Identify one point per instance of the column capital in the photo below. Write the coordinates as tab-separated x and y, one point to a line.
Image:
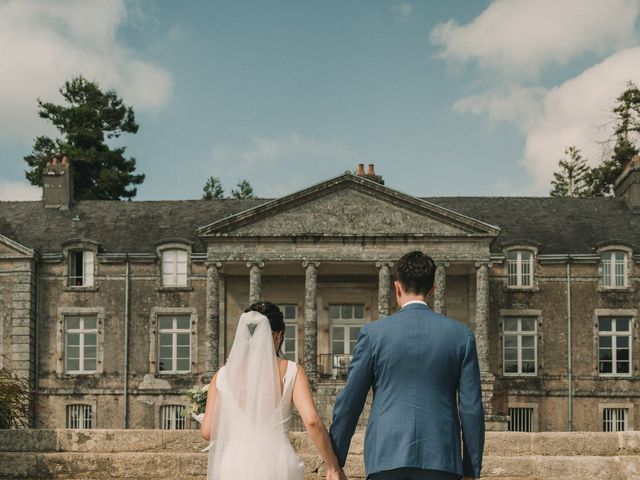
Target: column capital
442	264
384	264
213	263
308	263
483	263
255	263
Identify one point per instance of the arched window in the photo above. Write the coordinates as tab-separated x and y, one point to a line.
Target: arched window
614	269
520	268
174	268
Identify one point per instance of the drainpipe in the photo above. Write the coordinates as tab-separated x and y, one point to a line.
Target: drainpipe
126	341
569	346
36	352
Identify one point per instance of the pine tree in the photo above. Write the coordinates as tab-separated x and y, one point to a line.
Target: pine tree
89	118
212	189
244	190
573	177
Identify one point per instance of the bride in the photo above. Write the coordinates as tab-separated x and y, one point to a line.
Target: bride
248	410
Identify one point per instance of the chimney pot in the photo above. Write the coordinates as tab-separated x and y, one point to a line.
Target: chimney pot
370	170
360	171
54	161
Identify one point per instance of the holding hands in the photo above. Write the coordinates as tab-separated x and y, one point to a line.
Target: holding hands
336	475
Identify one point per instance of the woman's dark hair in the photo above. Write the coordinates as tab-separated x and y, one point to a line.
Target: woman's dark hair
416	272
276	319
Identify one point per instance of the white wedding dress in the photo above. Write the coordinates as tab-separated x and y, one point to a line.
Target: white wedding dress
253	414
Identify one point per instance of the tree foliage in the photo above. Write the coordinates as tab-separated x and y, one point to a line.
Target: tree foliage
626	113
212	189
14	400
87	120
243	190
572	179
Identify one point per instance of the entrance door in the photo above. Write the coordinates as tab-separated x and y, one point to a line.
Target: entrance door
346	322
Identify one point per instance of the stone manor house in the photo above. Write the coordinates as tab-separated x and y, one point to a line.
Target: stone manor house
112	310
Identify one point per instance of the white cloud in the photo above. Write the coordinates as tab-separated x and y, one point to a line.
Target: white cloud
277	166
46	43
403	9
513	103
18	191
519	37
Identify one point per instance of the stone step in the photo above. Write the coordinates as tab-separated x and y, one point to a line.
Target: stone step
193	466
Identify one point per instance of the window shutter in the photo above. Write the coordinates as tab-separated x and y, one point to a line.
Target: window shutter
88	265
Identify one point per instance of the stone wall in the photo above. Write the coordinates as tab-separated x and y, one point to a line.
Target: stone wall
158	454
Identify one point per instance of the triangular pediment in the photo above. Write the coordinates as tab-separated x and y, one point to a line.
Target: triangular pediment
10	249
348	205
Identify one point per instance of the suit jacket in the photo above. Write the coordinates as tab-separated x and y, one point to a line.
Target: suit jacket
423	368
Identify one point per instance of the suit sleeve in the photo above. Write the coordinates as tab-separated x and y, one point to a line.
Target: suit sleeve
350	401
471	411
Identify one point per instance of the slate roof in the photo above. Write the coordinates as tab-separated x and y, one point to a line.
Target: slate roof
558	225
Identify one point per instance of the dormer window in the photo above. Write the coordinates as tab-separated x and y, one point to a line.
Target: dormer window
520	269
614	269
81	268
174	268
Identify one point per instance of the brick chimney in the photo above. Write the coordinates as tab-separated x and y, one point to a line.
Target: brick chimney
57	184
627	185
371	174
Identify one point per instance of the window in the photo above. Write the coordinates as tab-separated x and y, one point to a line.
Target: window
614	269
172	417
174	345
346	320
614	346
520	268
174	268
79	416
81	265
614	419
520	420
80	343
290	343
519	346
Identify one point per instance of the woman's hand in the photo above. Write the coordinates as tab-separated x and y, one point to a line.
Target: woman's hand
336	475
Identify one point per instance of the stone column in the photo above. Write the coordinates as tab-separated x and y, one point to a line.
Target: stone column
482	335
311	321
255	281
384	289
439	304
482	315
213	317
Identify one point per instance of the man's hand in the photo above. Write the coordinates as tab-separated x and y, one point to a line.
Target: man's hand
336	475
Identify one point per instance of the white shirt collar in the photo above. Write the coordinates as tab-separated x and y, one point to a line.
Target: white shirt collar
414	301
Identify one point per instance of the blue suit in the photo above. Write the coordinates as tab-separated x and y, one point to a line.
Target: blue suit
417	362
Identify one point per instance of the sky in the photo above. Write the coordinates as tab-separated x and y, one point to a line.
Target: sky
464	98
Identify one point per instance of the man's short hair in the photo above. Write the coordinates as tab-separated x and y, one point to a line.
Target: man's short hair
416	272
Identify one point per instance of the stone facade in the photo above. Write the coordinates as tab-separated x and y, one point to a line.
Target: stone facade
325	254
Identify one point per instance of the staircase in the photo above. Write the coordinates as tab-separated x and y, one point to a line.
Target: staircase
176	455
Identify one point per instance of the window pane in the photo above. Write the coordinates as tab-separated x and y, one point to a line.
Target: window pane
511	367
181	279
510	354
166	339
183	352
358	311
605	353
510	341
90	352
90	339
353	333
528	354
184	322
510	324
622	354
334	312
346	311
73	323
166	353
290	312
183	365
528	341
73	339
528	367
90	364
337	348
338	333
604	324
528	324
622	342
622	367
73	352
605	342
622	324
90	323
605	367
73	364
165	323
183	339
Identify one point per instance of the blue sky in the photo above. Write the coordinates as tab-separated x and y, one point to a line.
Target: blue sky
445	98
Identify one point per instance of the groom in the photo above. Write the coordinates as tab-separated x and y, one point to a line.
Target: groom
424	372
